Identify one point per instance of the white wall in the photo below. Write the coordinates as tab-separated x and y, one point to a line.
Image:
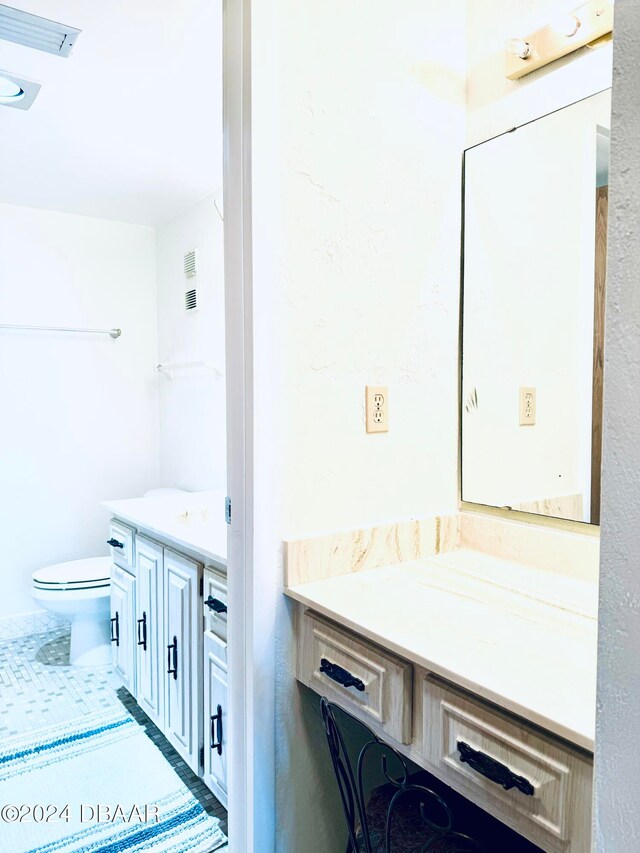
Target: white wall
618	720
360	189
373	123
192	403
80	412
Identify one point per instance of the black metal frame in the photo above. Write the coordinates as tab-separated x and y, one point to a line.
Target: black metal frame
352	790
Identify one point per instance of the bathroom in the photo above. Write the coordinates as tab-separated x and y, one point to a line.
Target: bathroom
357	183
345	131
113	351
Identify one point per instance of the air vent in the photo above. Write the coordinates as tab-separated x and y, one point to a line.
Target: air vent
191	299
190	264
40	33
191	271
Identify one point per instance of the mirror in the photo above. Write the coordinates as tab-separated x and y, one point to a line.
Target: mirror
534	268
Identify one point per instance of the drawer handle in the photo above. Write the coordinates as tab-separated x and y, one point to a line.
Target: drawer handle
217	735
115	638
173	670
342	676
216	604
114	543
143	642
493	770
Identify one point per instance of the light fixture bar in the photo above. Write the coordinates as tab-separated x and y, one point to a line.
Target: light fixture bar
593	20
36	32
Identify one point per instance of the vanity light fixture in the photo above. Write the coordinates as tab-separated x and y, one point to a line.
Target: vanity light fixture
17	92
591	22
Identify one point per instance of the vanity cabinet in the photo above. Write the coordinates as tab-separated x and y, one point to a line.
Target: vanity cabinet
123	649
156	631
368	682
534	782
183	633
215	683
149	629
215	715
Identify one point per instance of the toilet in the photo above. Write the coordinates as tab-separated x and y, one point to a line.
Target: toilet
79	590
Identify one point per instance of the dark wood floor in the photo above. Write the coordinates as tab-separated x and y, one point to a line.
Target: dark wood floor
197	787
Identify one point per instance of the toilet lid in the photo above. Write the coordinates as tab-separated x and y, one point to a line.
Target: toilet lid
94	571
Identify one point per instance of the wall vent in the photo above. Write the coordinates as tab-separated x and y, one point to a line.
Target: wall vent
191	299
191	264
33	31
191	271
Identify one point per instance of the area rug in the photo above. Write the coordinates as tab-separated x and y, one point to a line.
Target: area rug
98	786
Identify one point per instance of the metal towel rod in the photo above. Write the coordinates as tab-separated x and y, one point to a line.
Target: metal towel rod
114	333
168	368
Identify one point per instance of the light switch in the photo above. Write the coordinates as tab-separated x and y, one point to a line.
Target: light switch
527	406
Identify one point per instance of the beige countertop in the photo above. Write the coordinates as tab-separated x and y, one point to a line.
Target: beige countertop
194	521
520	637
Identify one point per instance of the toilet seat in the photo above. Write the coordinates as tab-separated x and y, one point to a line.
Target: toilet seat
76	575
79	591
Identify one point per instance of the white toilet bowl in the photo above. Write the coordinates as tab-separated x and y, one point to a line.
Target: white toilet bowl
79	590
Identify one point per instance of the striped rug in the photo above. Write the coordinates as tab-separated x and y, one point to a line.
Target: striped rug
100	786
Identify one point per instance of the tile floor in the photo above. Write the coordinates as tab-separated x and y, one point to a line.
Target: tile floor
38	688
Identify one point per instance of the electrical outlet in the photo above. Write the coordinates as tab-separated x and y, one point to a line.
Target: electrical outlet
527	406
377	406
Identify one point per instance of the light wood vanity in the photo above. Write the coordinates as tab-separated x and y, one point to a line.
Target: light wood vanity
452	653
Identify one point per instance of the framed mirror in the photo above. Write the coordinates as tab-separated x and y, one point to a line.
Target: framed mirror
533	301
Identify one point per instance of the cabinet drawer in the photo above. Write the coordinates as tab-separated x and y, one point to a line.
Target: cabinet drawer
381	692
215	592
538	785
121	542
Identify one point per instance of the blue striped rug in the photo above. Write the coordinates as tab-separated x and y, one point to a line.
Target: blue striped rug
100	786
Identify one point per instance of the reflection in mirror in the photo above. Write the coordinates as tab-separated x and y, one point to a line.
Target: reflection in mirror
535	233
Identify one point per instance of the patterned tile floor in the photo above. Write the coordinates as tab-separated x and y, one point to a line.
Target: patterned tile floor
38	688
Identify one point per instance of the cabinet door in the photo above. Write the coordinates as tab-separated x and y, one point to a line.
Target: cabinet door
150	647
123	586
215	715
183	652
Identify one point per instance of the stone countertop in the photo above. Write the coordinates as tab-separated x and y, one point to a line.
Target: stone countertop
522	638
194	521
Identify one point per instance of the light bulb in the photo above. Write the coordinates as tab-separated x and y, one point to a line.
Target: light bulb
519	48
565	24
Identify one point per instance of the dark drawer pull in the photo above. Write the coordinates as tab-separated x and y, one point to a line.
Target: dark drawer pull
342	676
114	543
173	670
216	721
115	638
216	604
143	642
493	770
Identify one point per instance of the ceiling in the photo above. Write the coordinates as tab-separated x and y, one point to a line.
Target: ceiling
129	127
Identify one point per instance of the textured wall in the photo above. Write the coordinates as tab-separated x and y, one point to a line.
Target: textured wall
371	103
373	121
618	722
192	403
